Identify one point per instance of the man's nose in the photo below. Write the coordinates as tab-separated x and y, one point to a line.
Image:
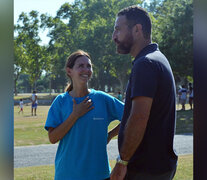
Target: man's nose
113	36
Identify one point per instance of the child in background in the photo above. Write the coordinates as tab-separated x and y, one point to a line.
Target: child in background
119	96
21	106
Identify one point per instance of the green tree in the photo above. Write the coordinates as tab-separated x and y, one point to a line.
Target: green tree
173	31
27	29
97	26
88	25
20	59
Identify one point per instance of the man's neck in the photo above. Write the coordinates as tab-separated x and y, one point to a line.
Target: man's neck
137	48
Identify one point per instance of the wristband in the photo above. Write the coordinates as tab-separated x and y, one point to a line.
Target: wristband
119	160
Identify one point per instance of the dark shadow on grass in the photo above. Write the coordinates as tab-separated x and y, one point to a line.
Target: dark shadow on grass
30	116
184	123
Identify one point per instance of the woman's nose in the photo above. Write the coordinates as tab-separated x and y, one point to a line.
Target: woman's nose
87	69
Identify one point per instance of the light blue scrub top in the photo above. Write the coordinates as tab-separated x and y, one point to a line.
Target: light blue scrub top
82	153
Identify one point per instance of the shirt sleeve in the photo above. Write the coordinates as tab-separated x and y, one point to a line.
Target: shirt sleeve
144	79
54	117
115	108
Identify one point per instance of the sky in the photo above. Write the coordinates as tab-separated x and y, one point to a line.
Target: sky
42	6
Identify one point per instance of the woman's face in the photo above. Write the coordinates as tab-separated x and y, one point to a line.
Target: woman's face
81	71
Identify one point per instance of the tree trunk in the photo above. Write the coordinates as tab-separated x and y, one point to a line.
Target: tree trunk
15	87
50	84
121	85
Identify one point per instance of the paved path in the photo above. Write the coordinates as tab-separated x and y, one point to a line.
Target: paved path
44	154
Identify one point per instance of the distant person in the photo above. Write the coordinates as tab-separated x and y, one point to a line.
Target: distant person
21	106
34	103
191	95
147	127
183	96
78	119
119	96
124	97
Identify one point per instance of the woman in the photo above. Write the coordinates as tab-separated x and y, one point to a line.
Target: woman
79	119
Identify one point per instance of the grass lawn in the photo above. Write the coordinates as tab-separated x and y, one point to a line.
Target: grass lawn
40	96
29	130
184	123
184	170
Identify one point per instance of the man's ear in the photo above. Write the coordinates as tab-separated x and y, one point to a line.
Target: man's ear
68	70
138	28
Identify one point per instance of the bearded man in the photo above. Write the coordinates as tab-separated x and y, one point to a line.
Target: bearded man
147	128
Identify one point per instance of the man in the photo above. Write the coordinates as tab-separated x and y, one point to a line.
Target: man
146	133
190	95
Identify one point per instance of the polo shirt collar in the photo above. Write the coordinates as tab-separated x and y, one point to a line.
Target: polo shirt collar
148	49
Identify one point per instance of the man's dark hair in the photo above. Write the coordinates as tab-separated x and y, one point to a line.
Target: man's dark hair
137	15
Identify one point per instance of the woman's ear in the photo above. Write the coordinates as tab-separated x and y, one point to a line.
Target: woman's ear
68	70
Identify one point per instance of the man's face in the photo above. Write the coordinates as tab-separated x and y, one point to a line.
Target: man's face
122	35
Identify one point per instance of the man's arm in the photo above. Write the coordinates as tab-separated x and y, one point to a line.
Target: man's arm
134	133
136	126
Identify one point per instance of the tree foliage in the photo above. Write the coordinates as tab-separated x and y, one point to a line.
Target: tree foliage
88	25
28	38
174	33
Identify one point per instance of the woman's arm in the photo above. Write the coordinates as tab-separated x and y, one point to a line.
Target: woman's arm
113	132
56	134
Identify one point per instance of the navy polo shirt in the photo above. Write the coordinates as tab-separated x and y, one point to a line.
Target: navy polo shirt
151	76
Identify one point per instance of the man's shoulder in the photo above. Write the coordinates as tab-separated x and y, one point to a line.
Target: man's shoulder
143	62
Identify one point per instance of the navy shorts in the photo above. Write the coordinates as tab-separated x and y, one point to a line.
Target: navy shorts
34	105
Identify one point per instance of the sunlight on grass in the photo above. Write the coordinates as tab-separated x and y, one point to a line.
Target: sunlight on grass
184	170
34	173
29	130
40	96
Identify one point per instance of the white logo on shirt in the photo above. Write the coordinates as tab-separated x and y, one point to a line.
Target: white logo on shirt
97	119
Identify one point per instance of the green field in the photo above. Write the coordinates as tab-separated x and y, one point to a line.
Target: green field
29	130
184	170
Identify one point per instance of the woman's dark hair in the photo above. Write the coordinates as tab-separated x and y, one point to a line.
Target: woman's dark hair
71	62
137	15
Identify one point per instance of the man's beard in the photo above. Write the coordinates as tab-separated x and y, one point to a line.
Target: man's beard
124	47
